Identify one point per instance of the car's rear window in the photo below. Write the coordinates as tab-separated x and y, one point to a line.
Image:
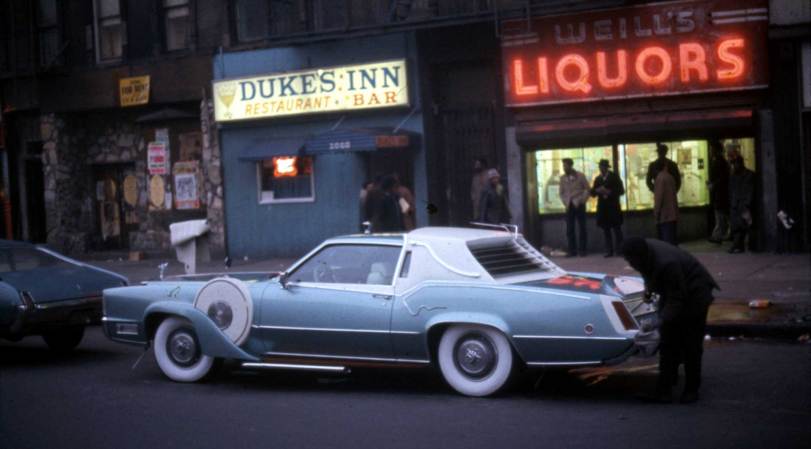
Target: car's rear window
508	257
23	259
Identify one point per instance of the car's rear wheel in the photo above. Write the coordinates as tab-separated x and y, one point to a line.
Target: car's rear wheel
178	351
475	360
64	340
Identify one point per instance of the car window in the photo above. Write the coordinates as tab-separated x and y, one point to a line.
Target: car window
22	259
349	264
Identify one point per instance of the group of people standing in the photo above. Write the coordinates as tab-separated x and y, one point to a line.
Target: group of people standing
387	205
732	187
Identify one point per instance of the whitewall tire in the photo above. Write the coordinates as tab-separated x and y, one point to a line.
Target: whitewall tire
475	360
178	351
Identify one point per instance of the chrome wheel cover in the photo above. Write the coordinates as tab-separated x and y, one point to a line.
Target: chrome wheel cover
475	356
182	347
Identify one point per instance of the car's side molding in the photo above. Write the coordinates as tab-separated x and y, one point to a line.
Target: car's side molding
212	341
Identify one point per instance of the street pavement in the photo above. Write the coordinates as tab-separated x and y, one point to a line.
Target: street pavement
783	279
755	394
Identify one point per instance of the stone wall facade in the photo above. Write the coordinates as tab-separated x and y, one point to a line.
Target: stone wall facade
76	146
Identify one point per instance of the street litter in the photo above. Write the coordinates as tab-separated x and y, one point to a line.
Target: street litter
759	303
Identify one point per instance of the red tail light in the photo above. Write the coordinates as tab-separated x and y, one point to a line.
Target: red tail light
625	317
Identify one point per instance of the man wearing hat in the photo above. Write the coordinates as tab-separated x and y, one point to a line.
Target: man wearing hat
608	189
655	167
493	206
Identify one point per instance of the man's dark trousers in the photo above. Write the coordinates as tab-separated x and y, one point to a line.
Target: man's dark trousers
576	213
682	340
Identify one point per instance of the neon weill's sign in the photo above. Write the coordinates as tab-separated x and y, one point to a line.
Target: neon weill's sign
648	50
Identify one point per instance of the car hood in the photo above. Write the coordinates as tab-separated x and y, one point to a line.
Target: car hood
49	284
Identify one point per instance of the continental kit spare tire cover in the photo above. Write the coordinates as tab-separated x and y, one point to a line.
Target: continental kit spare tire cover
227	302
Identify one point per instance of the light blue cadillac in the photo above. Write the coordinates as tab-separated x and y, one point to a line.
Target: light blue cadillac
477	303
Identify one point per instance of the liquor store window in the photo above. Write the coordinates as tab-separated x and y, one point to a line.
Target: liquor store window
286	179
631	161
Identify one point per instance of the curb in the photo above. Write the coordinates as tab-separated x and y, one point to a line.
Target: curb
781	331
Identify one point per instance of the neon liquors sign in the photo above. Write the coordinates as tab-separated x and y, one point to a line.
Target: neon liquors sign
649	50
366	86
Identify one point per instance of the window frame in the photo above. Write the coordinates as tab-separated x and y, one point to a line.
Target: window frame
97	19
190	25
236	23
44	29
317	250
261	196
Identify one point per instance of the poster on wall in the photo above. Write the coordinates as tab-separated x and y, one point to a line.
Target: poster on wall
157	158
186	185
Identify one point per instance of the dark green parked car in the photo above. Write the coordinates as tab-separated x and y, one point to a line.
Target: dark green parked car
45	293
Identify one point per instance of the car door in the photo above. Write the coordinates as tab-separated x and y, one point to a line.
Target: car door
336	304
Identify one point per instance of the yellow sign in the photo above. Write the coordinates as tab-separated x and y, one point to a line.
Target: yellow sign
366	86
134	91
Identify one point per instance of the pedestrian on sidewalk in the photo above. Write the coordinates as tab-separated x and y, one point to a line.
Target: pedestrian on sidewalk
408	207
387	216
685	290
493	205
665	204
574	192
718	185
653	168
741	189
478	184
608	189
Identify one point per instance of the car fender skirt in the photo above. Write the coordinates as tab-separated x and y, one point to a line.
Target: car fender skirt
213	342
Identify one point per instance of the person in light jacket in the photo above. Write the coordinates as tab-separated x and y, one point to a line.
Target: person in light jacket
574	192
665	204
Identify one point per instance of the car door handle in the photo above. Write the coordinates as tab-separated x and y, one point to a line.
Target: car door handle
380	296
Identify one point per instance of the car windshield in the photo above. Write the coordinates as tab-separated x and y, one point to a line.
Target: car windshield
24	259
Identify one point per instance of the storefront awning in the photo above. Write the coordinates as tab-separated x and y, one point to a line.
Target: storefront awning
267	149
655	125
359	139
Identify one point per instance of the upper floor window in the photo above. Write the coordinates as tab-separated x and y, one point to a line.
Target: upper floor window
251	19
176	23
110	33
48	27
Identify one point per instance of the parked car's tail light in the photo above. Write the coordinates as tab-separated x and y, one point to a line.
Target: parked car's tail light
625	317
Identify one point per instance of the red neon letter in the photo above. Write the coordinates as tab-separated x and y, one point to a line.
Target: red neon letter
656	52
543	76
730	58
518	74
692	57
622	71
582	81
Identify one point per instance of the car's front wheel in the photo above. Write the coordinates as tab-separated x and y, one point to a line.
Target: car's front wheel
64	340
475	360
178	351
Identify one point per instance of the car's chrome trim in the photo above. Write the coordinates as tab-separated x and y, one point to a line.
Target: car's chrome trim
69	303
293	366
592	362
343	357
439	260
567	337
504	287
327	329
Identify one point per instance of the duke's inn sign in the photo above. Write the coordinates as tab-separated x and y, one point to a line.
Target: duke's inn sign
669	48
365	86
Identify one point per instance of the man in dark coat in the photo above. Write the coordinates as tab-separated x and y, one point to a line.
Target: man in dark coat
741	191
493	205
608	189
685	290
719	191
386	214
654	168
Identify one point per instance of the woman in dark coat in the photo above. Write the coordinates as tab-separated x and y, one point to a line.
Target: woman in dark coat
608	189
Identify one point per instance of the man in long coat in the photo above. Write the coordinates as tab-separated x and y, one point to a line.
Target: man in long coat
666	204
685	290
741	190
608	189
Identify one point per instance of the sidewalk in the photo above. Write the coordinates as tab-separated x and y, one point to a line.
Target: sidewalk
785	280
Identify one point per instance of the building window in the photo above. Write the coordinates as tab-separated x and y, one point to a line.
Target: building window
109	30
549	169
286	179
176	24
48	28
251	19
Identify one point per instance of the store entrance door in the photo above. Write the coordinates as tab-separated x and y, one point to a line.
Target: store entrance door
111	213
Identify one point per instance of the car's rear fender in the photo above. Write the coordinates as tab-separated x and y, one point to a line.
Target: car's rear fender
212	341
437	325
